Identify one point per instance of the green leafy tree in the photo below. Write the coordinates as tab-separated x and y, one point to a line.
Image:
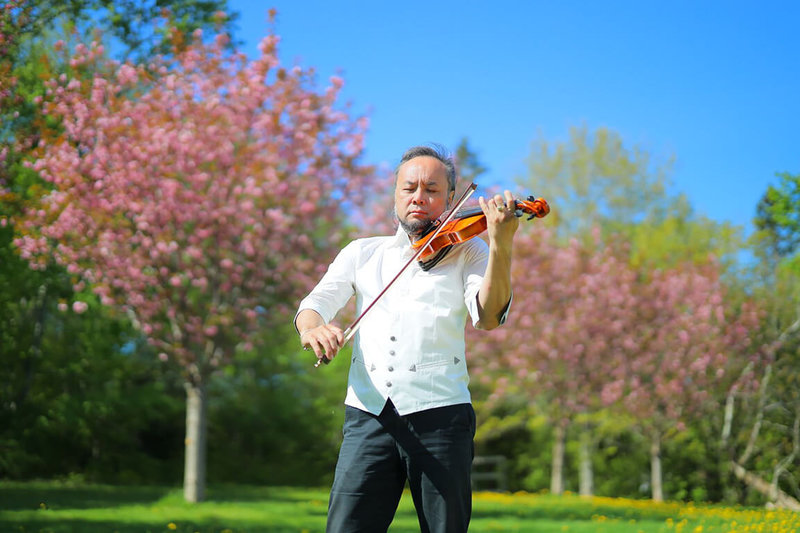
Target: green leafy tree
761	440
133	24
297	443
778	215
684	236
468	162
594	180
765	452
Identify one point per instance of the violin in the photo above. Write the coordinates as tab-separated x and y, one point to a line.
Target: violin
464	225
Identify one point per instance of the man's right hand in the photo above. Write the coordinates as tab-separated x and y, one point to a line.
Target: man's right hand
325	340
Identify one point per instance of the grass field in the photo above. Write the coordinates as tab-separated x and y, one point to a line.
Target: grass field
59	508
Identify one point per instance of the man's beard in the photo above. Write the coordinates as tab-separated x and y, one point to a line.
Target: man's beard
416	228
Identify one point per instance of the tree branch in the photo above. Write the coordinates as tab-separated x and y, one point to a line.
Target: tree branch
783	465
762	396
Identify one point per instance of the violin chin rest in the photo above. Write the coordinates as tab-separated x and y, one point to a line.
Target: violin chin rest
433	261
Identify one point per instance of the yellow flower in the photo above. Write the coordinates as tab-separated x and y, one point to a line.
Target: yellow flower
172	526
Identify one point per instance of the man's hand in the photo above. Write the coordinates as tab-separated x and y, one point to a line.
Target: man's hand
501	220
325	340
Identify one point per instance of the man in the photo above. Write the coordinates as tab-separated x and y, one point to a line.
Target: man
408	414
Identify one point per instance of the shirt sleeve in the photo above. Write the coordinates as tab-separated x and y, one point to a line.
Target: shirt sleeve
335	288
476	258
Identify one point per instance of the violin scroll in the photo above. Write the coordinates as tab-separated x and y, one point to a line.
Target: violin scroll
534	207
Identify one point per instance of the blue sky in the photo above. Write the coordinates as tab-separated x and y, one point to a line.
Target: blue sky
714	84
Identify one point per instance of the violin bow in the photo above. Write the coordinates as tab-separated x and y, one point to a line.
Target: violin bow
353	328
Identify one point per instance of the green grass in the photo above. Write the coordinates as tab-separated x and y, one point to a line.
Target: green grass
59	508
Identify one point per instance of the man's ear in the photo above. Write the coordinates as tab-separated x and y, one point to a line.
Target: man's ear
450	197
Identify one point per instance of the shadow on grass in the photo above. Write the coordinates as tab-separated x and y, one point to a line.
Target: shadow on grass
92	526
30	496
249	493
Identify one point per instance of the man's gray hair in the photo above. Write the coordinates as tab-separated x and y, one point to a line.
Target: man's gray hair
432	150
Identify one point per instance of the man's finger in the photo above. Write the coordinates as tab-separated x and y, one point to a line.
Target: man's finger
317	347
511	204
329	349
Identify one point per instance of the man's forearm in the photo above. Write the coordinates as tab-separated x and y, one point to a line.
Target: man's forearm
495	292
308	319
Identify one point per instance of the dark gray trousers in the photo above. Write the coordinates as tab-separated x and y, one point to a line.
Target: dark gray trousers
432	449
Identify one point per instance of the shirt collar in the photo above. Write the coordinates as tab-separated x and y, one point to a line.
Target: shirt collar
400	239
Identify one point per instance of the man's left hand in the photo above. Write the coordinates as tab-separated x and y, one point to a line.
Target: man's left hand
501	220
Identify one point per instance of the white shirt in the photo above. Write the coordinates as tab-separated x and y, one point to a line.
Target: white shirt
410	346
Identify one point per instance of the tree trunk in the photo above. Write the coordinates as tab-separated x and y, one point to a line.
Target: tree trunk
586	472
35	356
655	468
557	473
778	497
194	472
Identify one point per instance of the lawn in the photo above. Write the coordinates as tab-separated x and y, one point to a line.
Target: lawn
58	508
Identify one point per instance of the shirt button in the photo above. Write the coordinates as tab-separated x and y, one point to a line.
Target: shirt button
390	369
392	338
388	383
391	352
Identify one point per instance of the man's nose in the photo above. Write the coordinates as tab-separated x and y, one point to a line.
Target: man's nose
417	197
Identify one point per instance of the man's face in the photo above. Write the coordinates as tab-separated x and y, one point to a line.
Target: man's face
421	193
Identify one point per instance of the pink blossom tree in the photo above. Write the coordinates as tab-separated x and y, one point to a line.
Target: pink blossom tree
180	191
692	347
589	332
567	332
